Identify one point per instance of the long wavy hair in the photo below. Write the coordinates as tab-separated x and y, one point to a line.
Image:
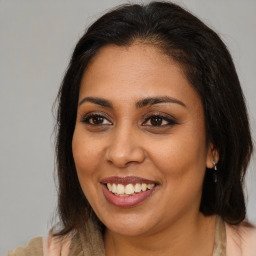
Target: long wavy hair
210	70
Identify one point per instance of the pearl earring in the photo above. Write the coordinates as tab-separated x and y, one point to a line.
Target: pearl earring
215	174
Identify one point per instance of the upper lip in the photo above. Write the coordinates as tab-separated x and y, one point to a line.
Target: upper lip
127	180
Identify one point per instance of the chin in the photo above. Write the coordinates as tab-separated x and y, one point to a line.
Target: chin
132	230
128	224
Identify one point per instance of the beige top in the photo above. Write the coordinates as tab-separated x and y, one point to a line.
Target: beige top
229	241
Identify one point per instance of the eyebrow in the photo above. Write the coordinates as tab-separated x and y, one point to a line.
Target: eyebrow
98	101
149	101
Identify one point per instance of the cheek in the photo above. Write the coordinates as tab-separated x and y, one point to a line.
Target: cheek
86	157
179	154
182	164
182	160
85	153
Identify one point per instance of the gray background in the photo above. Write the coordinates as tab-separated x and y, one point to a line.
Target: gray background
36	41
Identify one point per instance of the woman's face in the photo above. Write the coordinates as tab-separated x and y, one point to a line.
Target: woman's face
139	143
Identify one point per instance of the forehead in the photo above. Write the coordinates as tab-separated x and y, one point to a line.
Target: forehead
132	72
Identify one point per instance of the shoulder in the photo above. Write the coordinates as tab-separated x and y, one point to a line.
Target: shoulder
241	240
39	247
34	248
57	246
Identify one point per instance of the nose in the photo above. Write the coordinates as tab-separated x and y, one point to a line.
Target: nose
125	148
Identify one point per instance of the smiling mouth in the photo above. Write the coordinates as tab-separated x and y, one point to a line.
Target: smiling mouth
128	186
129	189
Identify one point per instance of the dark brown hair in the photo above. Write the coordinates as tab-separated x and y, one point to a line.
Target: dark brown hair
209	68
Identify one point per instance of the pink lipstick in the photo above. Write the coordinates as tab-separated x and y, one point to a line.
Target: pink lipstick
127	191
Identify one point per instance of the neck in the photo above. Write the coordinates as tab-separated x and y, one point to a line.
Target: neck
188	236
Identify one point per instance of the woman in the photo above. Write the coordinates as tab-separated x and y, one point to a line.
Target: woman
153	141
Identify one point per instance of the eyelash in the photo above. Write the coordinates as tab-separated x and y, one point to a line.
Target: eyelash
170	120
87	118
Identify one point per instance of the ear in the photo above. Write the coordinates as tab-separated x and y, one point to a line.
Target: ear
212	156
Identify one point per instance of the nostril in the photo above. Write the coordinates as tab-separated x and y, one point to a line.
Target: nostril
123	161
124	150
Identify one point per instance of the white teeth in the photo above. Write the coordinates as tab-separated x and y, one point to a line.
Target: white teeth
137	187
109	187
130	189
114	189
144	187
150	186
120	189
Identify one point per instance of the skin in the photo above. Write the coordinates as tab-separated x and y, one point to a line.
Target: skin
126	142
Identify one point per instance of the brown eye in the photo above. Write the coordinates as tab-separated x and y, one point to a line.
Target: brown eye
159	121
156	121
96	120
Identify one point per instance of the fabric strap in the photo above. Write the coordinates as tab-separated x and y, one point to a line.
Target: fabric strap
220	238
